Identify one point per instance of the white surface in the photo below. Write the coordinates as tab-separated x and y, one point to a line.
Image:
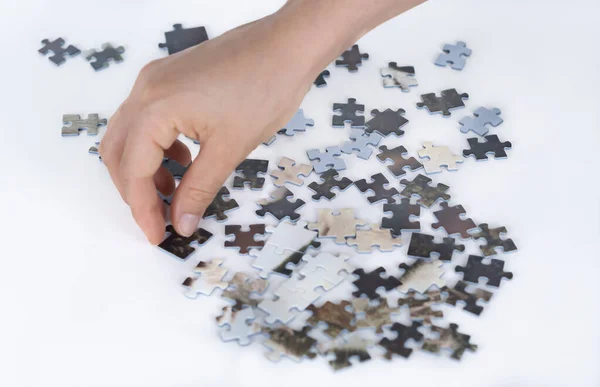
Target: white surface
86	301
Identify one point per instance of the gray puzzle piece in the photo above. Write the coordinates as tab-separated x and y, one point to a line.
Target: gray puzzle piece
399	76
323	161
103	57
59	53
360	142
73	123
297	123
483	116
455	55
239	325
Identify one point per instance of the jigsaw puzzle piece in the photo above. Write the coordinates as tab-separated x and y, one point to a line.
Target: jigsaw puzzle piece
323	161
420	276
339	224
210	277
73	123
182	38
219	207
59	53
423	246
351	59
239	325
455	55
105	56
245	240
348	114
449	100
483	117
360	142
428	194
289	171
279	205
491	146
438	156
329	180
179	245
402	77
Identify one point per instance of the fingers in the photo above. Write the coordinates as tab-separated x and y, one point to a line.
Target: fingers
179	152
162	178
111	147
200	184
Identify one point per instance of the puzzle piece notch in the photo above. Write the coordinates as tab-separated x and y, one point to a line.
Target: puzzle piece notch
181	38
339	224
397	346
423	246
219	207
250	169
455	55
179	245
320	80
459	293
239	325
244	240
297	123
494	241
475	268
377	186
73	123
360	142
329	179
491	145
288	171
324	161
449	100
428	194
387	122
453	220
210	277
420	276
365	240
438	156
449	338
59	53
369	283
483	117
402	77
280	206
399	163
401	217
351	59
105	56
348	114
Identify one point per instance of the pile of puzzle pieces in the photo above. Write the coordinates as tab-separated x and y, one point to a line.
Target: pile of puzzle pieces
281	303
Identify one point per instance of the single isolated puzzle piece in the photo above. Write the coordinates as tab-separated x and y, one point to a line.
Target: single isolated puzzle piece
398	76
369	283
175	169
402	213
280	206
373	314
320	81
378	187
239	325
244	290
220	206
104	57
453	221
359	143
329	180
449	100
324	161
179	245
438	156
423	246
428	194
250	169
494	240
365	240
339	224
288	171
285	341
420	276
387	122
491	146
59	53
460	294
483	116
348	114
397	346
245	240
449	338
351	59
73	123
455	55
475	268
181	38
420	305
210	277
297	123
399	162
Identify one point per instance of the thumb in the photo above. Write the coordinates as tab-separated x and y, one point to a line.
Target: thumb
199	185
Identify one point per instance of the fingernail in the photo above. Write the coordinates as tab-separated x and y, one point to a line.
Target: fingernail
188	223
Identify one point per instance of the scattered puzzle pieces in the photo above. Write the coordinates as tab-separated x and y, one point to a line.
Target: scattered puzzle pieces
399	163
104	57
360	142
387	122
179	245
323	161
483	117
428	194
181	38
73	123
475	268
423	246
438	156
455	55
59	53
288	172
351	59
491	146
329	180
449	100
402	77
348	114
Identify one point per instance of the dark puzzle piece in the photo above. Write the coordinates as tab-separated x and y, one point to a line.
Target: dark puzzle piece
336	316
245	239
320	81
422	246
280	206
449	338
348	114
368	283
397	346
491	146
175	169
351	59
401	217
220	206
181	38
453	221
59	53
449	100
428	194
459	294
250	169
103	58
420	305
386	123
377	186
475	268
344	355
179	245
494	241
329	180
399	162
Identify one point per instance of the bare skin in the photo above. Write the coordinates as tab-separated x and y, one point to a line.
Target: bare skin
192	92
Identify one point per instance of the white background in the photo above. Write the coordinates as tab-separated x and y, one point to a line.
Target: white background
86	301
